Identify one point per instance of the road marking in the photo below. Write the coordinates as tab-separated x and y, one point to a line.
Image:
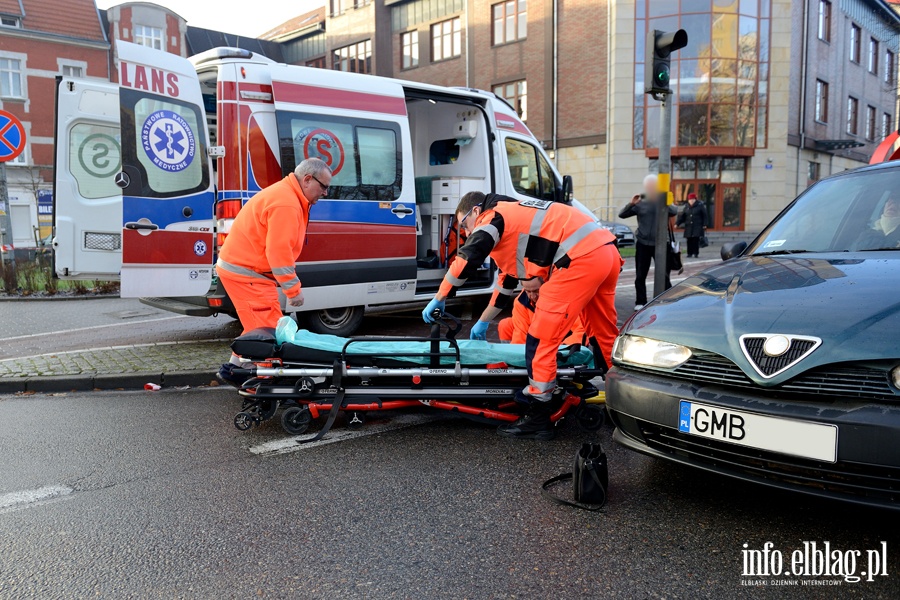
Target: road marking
291	444
128	323
17	500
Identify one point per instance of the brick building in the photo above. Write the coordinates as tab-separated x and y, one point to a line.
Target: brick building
40	39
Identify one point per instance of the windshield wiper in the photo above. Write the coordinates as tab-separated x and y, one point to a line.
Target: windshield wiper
780	252
878	249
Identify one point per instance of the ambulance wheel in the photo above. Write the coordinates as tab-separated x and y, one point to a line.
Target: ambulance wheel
335	321
590	417
356	419
296	420
243	421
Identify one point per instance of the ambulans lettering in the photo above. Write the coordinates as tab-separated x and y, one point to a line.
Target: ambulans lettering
156	81
323	144
168	141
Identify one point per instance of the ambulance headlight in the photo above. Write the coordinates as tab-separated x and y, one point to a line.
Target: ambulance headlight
635	350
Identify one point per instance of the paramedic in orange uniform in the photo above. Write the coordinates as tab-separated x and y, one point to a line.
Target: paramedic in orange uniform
261	250
514	329
536	241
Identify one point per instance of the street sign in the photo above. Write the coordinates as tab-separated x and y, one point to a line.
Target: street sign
12	136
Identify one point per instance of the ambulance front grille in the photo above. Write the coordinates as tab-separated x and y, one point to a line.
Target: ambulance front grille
102	241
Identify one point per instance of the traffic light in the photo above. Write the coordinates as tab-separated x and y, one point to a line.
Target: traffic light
660	45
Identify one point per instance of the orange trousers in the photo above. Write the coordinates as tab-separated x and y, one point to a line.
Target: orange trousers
256	300
514	329
587	287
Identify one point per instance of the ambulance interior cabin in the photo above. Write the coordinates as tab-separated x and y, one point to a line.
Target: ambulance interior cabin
452	157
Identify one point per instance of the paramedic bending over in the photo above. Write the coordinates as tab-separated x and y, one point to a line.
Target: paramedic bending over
585	269
262	247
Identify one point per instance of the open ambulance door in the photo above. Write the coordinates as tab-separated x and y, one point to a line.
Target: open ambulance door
87	205
168	194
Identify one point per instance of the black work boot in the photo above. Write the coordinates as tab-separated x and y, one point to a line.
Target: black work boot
535	424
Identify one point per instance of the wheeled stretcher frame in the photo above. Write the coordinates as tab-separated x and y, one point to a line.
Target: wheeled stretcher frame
483	393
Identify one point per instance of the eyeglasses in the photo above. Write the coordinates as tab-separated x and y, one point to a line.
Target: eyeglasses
324	187
462	222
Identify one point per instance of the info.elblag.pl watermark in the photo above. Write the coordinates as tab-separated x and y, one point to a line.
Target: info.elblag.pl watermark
812	564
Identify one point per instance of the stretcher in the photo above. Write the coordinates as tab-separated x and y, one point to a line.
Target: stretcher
314	375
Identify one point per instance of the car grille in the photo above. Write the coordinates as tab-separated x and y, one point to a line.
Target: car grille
769	365
837	381
854	480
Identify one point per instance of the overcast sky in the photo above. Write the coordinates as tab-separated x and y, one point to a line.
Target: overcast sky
247	17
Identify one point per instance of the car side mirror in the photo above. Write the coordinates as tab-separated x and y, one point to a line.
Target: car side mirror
565	192
729	251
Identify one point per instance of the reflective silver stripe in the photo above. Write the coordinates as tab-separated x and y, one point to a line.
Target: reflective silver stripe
505	291
490	230
521	246
570	242
454	280
294	282
284	270
543	386
225	266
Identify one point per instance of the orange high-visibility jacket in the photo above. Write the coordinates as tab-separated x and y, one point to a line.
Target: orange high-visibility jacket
526	239
268	235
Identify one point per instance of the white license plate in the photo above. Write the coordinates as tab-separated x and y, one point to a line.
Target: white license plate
786	436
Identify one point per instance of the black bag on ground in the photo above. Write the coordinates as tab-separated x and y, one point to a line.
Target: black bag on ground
590	479
704	241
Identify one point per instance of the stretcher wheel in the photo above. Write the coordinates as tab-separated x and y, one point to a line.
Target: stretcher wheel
243	421
356	420
296	420
590	417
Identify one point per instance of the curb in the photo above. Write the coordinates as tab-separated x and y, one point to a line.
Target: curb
86	383
56	298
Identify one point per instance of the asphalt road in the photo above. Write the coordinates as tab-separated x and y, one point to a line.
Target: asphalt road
156	495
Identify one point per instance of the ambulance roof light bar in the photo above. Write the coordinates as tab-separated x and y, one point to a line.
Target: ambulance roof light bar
219	54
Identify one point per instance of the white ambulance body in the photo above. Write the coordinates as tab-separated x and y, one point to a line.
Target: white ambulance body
187	142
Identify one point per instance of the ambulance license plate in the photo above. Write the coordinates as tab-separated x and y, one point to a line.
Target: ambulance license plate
817	441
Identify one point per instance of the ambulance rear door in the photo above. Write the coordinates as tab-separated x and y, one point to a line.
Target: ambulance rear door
87	205
168	194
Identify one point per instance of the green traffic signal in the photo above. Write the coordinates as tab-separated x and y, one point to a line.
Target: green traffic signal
657	57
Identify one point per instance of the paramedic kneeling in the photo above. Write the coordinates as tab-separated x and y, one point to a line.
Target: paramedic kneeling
262	247
531	241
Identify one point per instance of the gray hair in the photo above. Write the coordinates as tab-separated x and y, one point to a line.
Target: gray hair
311	166
649	178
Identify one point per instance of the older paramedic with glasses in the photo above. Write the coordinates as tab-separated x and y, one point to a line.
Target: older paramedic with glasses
533	241
262	248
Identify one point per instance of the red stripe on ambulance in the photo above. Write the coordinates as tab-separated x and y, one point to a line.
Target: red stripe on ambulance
297	93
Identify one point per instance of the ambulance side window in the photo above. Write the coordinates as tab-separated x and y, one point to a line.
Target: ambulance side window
94	159
377	156
528	170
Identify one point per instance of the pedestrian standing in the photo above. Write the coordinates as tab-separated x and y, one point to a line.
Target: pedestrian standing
693	219
643	206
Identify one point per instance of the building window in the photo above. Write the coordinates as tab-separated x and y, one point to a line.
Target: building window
152	37
510	21
889	68
885	125
870	123
10	78
515	92
8	21
72	71
410	44
316	63
852	114
825	20
341	6
446	40
855	37
873	55
355	58
813	172
821	101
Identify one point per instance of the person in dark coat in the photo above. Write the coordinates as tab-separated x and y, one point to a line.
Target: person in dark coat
693	219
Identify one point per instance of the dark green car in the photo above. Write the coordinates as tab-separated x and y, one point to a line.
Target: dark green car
782	364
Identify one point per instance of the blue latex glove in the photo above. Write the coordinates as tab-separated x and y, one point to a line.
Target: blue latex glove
434	304
479	331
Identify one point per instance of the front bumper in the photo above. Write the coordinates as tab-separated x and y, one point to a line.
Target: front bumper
645	410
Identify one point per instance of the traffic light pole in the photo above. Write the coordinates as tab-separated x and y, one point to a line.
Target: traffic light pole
662	206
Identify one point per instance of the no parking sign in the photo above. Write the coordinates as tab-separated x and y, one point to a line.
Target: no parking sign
12	136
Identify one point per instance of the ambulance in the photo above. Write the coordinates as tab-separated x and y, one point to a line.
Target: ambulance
151	172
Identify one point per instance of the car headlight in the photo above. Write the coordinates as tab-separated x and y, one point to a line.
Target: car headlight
635	350
895	377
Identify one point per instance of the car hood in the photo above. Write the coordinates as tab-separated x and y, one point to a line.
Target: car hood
851	302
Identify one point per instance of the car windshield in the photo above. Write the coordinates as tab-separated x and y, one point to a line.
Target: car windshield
853	213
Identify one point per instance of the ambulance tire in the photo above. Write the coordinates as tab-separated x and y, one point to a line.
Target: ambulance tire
342	322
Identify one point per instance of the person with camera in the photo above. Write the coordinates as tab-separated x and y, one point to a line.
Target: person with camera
643	206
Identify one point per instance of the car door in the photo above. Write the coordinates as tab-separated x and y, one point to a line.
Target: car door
87	205
168	194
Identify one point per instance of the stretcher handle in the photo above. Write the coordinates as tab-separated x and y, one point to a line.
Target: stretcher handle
440	319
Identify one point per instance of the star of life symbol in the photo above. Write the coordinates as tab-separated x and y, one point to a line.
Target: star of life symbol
200	248
168	141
